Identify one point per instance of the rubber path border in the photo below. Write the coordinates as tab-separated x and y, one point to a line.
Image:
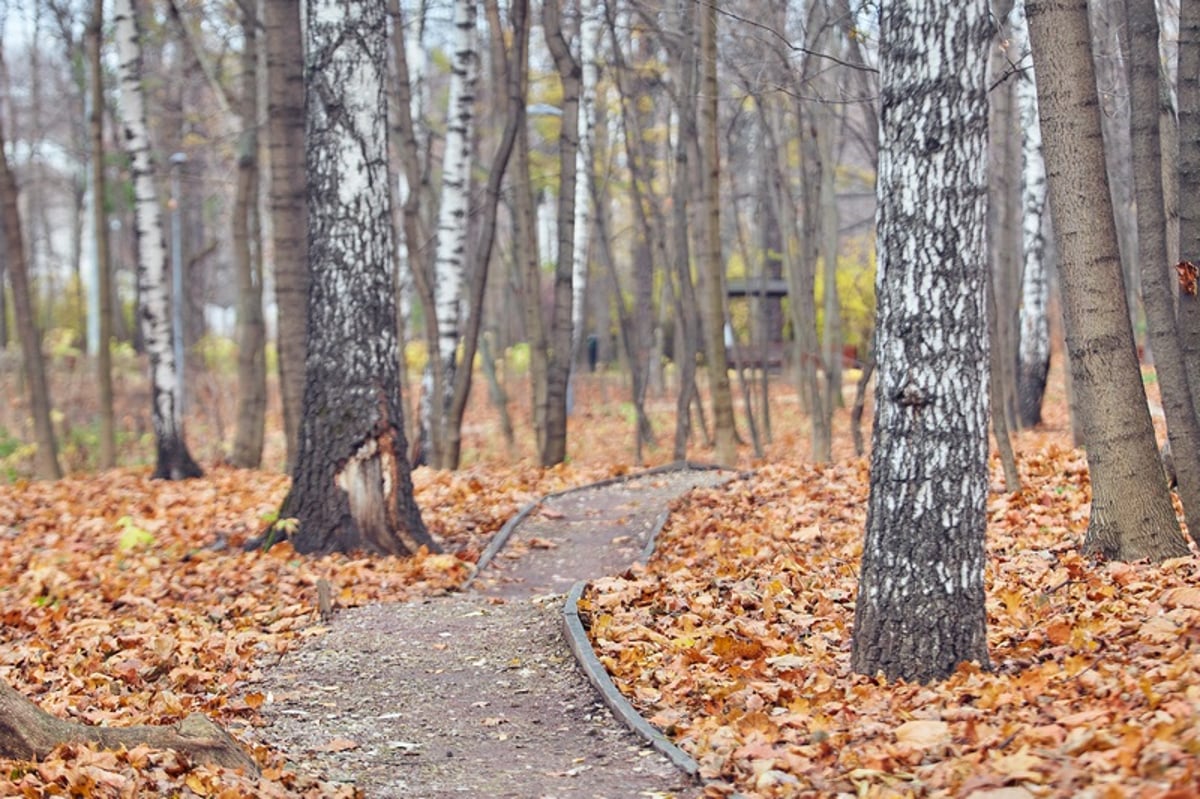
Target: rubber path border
577	637
501	537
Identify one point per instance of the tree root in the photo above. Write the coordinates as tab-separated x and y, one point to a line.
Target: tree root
28	732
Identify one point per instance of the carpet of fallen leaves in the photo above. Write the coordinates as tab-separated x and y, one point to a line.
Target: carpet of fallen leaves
736	640
127	600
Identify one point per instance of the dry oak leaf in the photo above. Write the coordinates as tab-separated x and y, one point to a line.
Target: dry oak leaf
923	733
1182	597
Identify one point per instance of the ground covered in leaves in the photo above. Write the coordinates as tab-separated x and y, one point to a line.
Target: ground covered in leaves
129	601
736	640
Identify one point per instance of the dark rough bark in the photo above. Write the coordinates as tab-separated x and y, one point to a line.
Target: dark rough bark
920	609
1131	515
1188	163
558	366
107	456
251	327
289	213
27	330
712	262
352	485
1158	300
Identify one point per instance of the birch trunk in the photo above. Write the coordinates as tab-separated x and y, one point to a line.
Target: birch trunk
453	216
352	485
174	462
920	609
589	41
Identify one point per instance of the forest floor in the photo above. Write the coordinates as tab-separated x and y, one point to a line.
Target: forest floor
129	601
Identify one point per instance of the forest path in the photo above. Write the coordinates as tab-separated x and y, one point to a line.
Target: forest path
477	694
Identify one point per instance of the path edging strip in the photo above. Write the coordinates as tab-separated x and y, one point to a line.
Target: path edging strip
597	675
501	537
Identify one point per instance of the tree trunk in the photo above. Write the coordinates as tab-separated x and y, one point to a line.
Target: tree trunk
1033	349
558	358
1131	515
511	74
681	189
107	457
711	259
27	330
352	486
29	733
1188	160
251	329
920	609
589	41
289	212
174	462
453	214
1158	298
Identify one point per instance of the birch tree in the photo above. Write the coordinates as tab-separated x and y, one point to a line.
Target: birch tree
1131	513
920	609
453	214
352	484
589	41
173	462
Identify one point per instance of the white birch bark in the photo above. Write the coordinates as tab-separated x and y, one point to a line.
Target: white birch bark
456	175
920	607
589	41
174	462
1033	350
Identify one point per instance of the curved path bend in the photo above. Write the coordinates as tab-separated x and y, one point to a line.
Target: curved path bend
479	693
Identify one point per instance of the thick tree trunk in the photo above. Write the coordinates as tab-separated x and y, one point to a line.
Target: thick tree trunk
1158	298
107	456
251	328
174	462
289	212
352	486
711	258
27	330
1188	161
29	733
1131	516
920	609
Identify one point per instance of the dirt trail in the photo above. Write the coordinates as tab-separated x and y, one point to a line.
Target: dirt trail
477	694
